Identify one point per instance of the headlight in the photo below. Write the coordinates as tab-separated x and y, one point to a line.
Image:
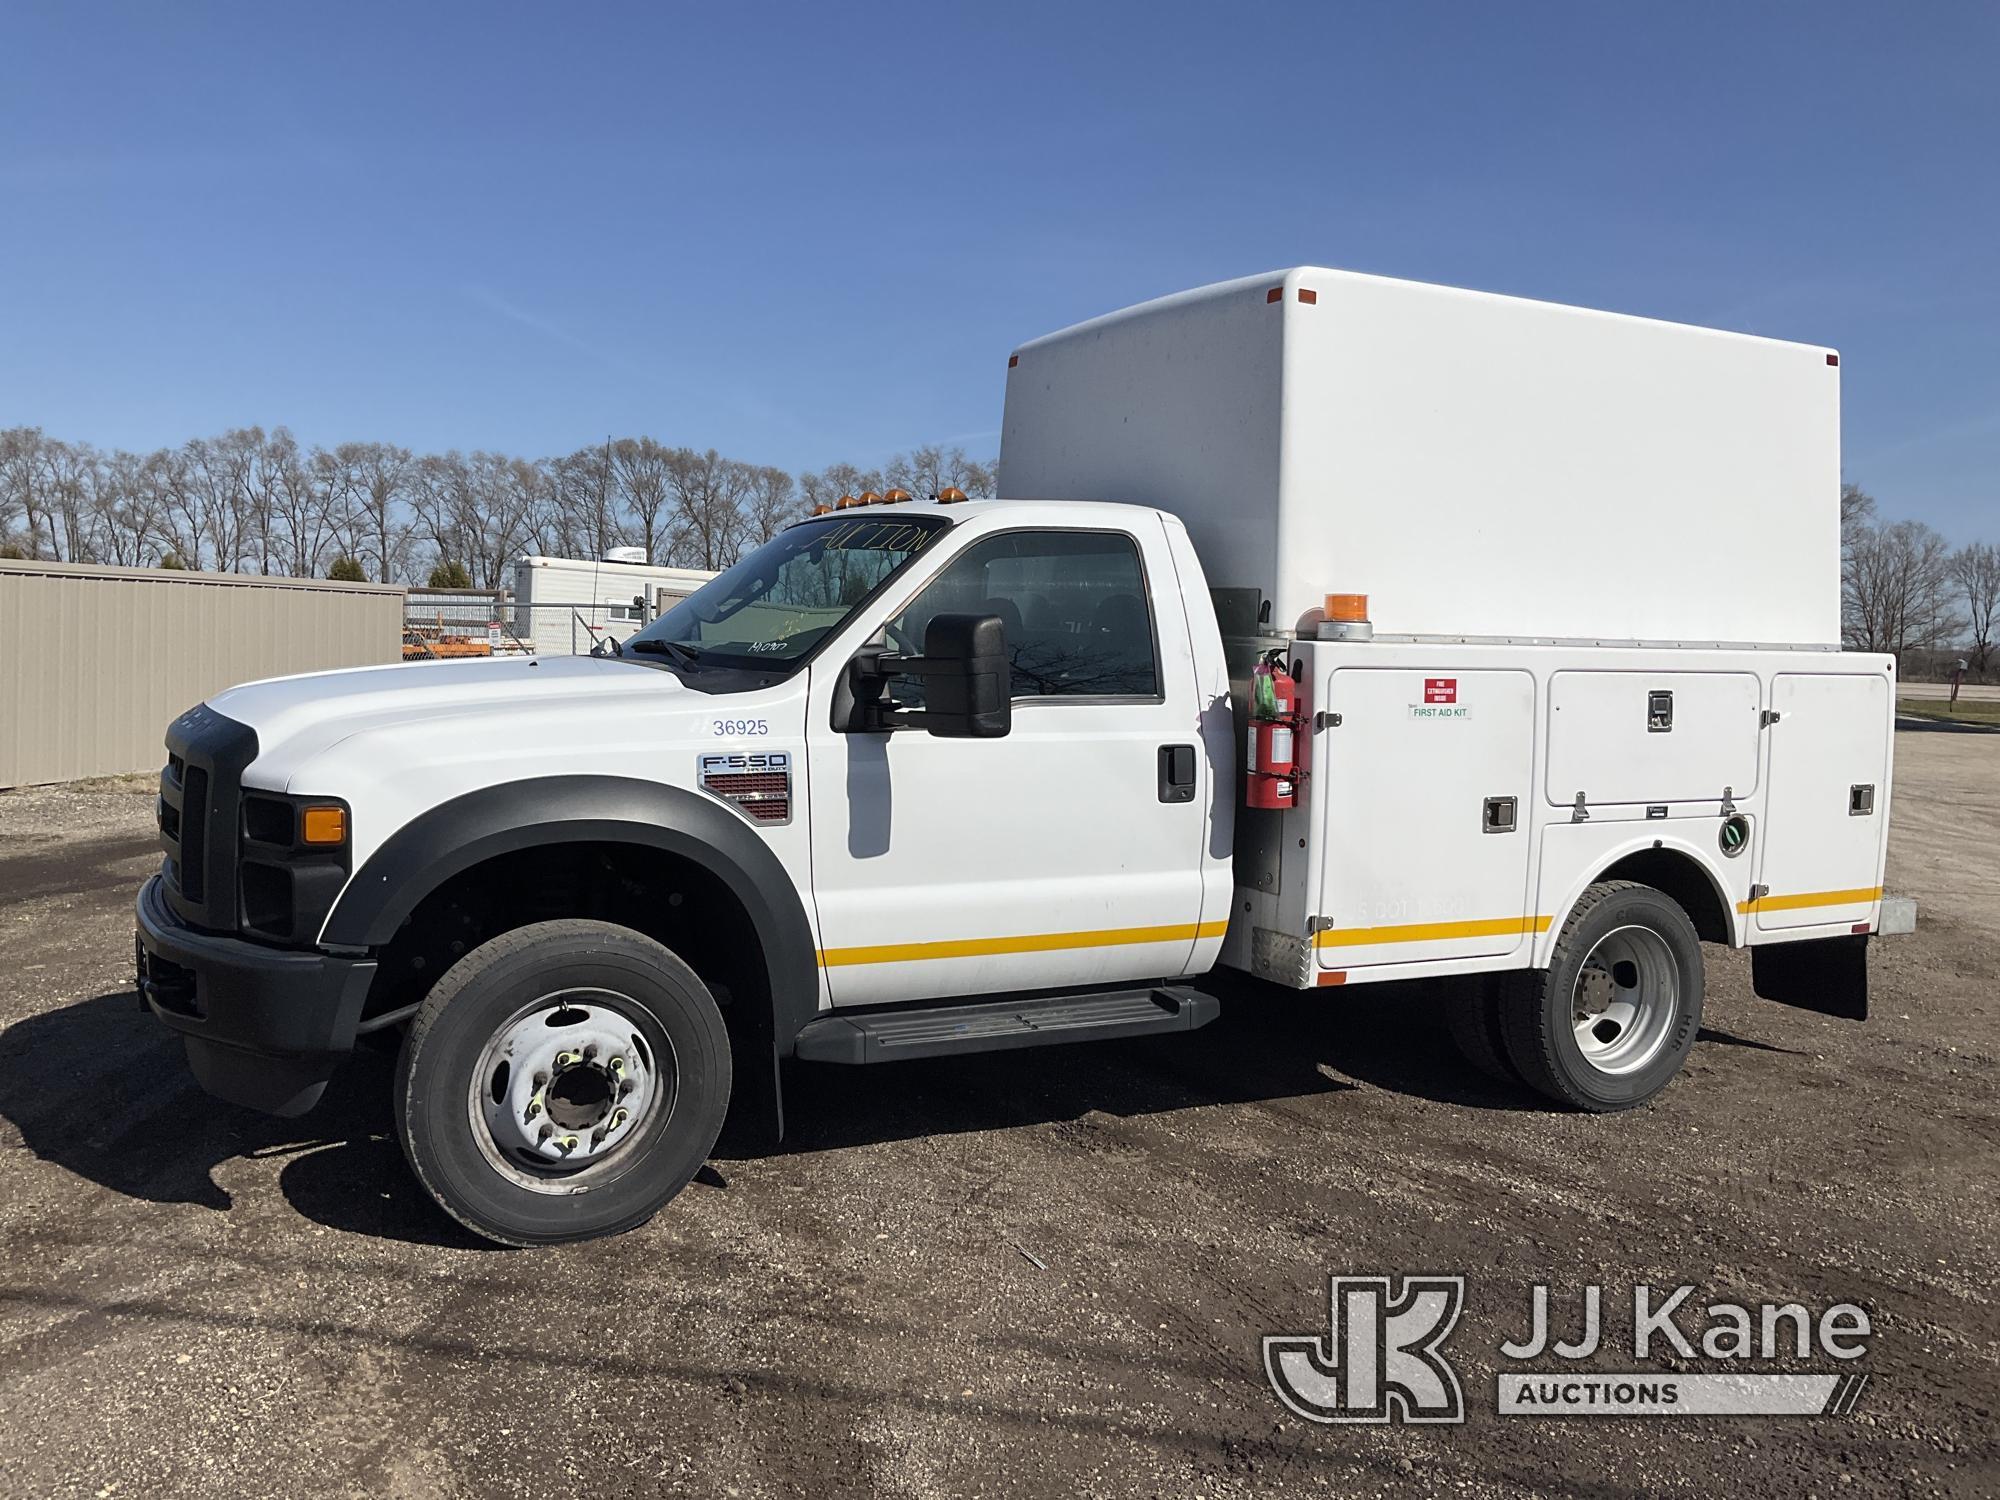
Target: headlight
295	859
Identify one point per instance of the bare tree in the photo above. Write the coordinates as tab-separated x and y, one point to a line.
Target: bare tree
639	471
25	470
300	501
1976	570
708	492
583	502
123	501
771	504
930	470
1896	588
830	484
210	499
375	480
1857	510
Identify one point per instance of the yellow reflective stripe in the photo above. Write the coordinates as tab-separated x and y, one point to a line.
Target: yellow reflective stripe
1039	942
1426	932
1861	896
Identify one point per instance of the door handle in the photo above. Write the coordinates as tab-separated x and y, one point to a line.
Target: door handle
1179	773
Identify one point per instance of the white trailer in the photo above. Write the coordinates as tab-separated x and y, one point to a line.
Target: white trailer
564	606
914	779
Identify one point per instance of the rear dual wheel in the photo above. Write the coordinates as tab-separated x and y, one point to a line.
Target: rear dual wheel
1610	1021
561	1082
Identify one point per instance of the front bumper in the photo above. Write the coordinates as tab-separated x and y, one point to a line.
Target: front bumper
263	1027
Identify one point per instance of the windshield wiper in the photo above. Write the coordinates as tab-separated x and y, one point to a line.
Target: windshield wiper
687	656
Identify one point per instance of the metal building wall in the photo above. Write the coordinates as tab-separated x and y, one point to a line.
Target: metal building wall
95	662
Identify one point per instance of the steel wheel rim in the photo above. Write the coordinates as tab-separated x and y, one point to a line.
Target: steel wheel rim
1624	1000
566	1085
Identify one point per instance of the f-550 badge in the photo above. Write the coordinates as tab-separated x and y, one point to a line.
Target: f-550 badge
757	783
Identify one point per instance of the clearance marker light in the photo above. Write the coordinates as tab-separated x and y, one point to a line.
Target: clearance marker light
847	502
822	509
895	497
951	494
869	497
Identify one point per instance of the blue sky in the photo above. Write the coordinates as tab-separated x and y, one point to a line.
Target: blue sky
805	234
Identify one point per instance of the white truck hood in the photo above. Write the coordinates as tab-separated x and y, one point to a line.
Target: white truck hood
298	719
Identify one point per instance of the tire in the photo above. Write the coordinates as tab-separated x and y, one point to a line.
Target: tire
1610	1021
1472	1016
622	1085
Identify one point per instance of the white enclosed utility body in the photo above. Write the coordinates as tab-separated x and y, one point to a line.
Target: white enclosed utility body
1601	559
925	778
1480	466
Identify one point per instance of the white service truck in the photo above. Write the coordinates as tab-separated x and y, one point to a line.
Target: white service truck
940	776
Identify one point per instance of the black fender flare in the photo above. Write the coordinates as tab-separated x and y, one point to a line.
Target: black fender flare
546	810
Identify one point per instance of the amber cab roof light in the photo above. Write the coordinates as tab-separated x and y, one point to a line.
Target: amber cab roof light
951	494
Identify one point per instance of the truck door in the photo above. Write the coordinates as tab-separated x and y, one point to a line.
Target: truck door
1424	788
1055	856
1828	803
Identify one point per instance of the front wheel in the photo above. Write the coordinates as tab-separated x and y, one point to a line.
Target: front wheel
561	1082
1613	1017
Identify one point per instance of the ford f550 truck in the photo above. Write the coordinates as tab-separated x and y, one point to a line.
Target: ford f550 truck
1338	630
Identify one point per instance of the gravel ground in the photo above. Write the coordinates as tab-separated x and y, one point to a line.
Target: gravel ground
1033	1274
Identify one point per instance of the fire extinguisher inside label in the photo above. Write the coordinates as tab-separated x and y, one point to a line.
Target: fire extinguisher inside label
1440	690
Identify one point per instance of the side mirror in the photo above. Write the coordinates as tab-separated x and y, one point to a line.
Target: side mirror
968	683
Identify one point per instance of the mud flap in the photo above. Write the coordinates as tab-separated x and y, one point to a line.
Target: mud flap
1828	975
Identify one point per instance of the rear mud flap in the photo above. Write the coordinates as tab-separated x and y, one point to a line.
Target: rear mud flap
1828	975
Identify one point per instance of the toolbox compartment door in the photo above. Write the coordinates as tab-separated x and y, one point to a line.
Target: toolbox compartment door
1423	792
1820	849
1626	738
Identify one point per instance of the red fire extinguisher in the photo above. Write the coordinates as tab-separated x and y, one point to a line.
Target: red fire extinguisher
1271	755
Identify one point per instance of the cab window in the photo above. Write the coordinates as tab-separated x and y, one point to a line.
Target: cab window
1073	604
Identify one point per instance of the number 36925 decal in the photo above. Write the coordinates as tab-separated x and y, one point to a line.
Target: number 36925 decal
741	726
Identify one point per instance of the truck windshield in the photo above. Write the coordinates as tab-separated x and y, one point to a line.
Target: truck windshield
774	606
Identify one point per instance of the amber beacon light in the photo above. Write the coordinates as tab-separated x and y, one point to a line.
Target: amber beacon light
1345	618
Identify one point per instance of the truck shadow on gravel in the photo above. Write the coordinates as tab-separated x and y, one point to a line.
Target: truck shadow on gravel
1269	1046
102	1091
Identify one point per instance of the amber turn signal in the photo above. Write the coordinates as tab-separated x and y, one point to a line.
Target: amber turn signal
324	825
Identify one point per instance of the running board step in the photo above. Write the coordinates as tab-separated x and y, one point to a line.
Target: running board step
995	1025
